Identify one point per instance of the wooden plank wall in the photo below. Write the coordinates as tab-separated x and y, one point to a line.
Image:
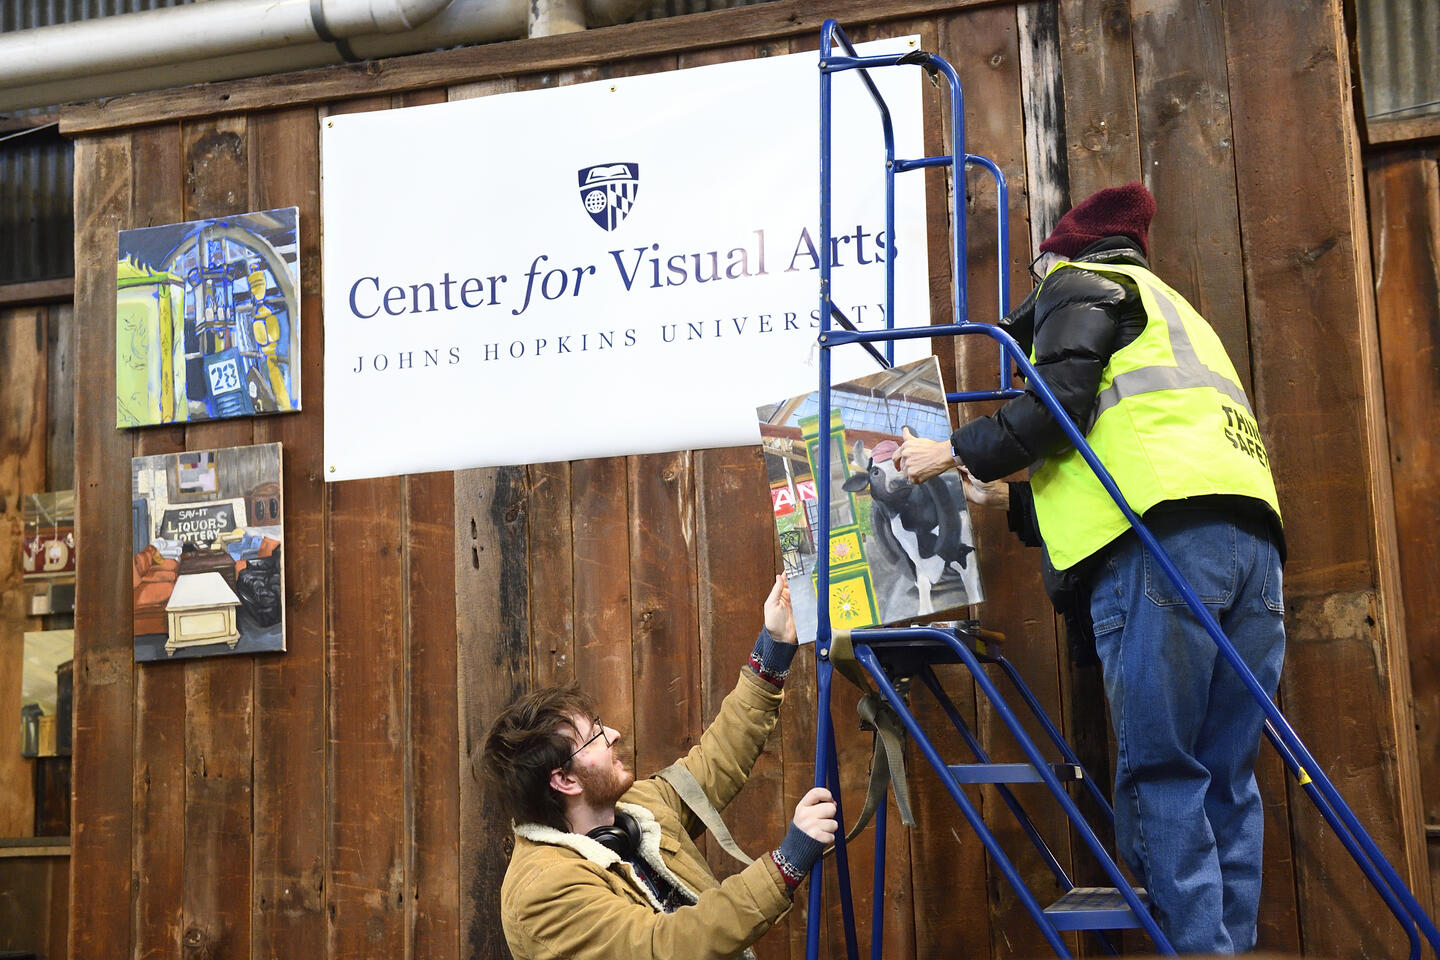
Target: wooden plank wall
36	454
326	803
1404	194
33	914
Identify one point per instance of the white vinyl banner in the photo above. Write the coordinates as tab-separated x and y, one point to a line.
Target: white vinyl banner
625	266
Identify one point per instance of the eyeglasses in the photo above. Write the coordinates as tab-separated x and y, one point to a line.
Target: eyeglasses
1035	274
598	726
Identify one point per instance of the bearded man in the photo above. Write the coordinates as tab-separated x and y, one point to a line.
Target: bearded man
605	866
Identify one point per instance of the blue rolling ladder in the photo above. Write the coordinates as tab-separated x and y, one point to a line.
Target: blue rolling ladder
891	658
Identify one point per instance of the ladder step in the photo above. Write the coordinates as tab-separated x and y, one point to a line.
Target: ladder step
1012	772
1094	908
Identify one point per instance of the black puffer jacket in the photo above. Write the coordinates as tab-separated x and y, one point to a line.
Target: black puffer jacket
1076	320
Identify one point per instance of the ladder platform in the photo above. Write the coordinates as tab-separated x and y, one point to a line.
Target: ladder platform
1094	908
904	656
1013	772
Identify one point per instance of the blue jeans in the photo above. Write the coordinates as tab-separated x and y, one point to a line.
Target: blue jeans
1188	817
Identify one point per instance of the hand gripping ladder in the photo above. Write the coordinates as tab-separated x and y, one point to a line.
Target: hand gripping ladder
889	657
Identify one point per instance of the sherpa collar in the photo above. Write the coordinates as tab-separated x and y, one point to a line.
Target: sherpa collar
602	856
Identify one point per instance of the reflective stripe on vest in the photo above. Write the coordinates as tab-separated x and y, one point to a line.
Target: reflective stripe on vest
1187	371
1171	421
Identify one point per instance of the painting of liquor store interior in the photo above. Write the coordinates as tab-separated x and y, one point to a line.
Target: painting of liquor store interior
207	319
208	575
898	551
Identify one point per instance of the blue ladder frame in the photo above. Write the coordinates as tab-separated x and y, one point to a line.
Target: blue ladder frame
874	646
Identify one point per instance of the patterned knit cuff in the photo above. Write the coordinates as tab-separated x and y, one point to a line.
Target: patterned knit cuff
771	659
796	855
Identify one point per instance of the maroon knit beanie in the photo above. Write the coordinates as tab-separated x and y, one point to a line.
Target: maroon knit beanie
1114	211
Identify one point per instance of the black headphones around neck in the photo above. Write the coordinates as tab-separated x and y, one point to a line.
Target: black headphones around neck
623	836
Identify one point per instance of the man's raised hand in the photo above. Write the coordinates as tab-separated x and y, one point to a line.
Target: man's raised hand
779	617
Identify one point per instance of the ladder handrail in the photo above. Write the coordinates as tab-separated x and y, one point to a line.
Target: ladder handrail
1298	758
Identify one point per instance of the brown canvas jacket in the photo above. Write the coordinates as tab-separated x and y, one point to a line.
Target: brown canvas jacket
566	896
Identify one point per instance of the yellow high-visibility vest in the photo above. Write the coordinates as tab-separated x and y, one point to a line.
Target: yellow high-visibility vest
1171	422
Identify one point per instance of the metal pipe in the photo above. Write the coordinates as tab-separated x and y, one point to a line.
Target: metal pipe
464	21
231	39
195	31
550	18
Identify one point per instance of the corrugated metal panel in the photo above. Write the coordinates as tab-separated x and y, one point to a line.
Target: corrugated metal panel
24	14
37	234
1398	44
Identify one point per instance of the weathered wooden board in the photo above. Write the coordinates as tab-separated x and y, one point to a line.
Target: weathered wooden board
429	674
1043	92
734	530
1404	191
219	691
217	818
59	934
602	591
493	637
34	892
366	887
290	689
1098	124
1182	96
159	785
1183	102
1310	329
366	881
101	878
23	394
988	43
433	737
60	399
665	652
552	580
1097	62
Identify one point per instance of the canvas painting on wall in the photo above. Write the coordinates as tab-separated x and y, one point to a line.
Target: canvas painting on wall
48	548
208	573
47	693
207	319
898	551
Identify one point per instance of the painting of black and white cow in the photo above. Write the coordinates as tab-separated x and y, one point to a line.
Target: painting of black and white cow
921	546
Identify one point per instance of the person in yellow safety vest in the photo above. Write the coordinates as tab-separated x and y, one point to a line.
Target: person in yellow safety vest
1148	382
266	329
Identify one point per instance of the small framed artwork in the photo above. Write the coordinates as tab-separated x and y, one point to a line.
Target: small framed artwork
47	692
208	319
47	550
208	571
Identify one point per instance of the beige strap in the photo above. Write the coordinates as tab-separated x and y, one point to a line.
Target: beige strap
887	759
688	787
887	763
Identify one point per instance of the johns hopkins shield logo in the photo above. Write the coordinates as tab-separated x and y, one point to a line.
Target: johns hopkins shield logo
608	191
